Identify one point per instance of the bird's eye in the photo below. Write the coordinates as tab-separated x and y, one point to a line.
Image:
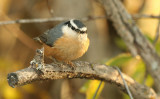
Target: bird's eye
69	25
82	32
73	28
77	30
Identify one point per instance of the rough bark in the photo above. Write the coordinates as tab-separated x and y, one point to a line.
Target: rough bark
84	70
132	36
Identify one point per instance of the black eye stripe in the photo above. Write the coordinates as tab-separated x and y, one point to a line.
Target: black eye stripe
68	23
82	32
73	28
77	30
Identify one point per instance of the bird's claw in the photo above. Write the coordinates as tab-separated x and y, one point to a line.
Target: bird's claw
40	67
72	65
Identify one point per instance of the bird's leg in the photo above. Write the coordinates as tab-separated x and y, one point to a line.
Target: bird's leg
62	63
71	64
56	61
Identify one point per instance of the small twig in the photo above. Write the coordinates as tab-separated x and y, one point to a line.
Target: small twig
89	18
140	16
94	97
42	20
157	33
15	31
37	20
51	11
125	84
142	6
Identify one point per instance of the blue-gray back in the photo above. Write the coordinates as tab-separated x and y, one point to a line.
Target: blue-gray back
50	36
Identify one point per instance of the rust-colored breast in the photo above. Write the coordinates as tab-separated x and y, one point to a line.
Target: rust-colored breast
67	48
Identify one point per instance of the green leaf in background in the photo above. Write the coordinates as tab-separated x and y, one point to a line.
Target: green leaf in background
120	43
90	87
119	60
157	45
84	88
149	81
139	71
132	66
136	69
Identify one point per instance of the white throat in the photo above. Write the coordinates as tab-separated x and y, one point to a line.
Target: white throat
71	33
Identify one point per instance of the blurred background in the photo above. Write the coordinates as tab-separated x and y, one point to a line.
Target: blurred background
17	47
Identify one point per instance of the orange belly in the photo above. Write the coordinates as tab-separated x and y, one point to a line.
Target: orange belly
67	49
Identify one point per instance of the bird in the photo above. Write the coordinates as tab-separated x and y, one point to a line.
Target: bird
66	41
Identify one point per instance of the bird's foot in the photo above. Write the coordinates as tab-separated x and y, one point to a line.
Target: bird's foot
40	66
55	61
71	64
33	64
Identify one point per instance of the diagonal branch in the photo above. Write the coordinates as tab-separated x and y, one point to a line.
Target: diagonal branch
131	34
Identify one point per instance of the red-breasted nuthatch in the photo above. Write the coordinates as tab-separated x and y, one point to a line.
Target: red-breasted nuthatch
65	42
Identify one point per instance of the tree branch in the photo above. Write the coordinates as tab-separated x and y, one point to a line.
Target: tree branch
157	33
82	70
131	34
139	16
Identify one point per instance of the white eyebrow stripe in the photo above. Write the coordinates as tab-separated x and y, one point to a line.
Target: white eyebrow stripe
73	24
83	29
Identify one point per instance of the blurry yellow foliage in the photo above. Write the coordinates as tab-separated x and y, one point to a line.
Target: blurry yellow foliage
149	26
90	88
7	91
151	7
29	88
4	5
149	81
133	5
11	93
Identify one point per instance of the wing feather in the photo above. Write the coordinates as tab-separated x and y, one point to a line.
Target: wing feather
50	36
